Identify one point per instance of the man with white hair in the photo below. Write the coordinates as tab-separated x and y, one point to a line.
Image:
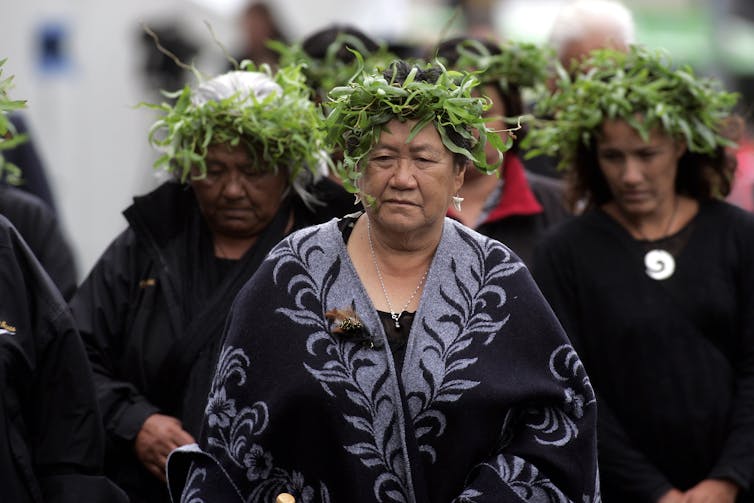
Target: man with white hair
580	27
584	25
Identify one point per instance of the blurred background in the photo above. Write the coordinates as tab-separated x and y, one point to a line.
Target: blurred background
84	65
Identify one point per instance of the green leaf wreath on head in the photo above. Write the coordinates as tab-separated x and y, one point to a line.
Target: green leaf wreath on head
640	87
518	64
281	130
360	110
8	136
332	70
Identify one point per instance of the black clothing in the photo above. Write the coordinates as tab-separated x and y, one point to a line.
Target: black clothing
40	229
151	314
51	437
522	209
550	193
25	156
672	361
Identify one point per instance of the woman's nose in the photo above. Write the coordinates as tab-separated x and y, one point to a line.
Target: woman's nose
632	172
403	175
233	186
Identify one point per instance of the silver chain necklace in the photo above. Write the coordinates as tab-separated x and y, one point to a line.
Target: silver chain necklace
395	316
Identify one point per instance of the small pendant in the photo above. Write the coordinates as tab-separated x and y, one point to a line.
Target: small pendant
660	264
395	317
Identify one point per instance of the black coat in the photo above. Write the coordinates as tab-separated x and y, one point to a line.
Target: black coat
151	313
41	230
51	437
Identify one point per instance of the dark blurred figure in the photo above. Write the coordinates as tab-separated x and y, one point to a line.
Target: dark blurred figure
51	435
259	25
517	206
26	157
477	17
41	230
160	70
327	53
32	216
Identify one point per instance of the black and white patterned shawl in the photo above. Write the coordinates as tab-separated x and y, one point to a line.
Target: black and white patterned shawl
492	403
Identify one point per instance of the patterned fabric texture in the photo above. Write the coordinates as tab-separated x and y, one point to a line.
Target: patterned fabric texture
492	403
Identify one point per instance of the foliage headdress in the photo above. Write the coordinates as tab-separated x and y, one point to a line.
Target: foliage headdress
360	110
271	115
509	64
338	64
8	136
640	87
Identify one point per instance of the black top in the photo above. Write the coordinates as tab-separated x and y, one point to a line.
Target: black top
51	437
521	233
672	361
40	229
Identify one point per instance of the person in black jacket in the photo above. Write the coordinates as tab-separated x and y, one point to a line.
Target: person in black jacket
152	310
51	436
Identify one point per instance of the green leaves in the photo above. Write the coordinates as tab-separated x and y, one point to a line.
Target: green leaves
333	71
360	110
519	64
8	136
283	129
640	87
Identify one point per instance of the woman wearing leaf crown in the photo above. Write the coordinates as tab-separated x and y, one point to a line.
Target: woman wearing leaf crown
243	148
394	355
654	283
516	206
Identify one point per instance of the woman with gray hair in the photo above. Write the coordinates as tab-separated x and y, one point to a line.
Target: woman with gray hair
243	148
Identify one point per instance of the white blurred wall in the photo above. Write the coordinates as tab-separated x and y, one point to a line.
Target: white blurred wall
83	120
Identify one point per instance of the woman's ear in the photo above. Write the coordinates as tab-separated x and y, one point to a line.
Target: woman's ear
459	175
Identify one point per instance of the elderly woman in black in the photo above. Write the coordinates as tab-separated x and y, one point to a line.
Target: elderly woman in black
152	310
395	355
654	283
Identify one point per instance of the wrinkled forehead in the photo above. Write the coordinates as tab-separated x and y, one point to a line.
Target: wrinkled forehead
399	133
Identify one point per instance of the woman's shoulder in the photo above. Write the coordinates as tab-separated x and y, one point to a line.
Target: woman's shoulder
575	227
321	234
464	234
720	215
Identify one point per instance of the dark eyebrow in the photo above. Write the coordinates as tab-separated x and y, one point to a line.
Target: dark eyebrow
382	146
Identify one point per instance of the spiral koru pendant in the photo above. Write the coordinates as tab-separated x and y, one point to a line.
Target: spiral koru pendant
660	264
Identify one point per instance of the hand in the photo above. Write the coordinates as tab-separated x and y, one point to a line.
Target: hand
158	436
712	491
672	496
